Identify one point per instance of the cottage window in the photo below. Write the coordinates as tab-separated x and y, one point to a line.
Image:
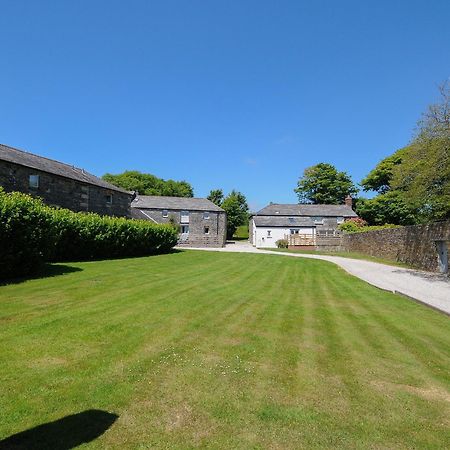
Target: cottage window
318	220
165	213
340	220
184	217
184	229
291	220
294	231
108	199
33	181
206	215
268	233
206	230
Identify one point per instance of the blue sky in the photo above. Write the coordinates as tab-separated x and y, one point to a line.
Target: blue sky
231	94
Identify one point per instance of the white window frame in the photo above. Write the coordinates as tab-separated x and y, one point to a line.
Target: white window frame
184	214
183	227
35	183
318	220
340	220
206	215
165	213
109	199
206	230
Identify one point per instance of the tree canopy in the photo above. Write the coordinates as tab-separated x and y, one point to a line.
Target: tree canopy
236	206
216	196
414	183
324	184
148	184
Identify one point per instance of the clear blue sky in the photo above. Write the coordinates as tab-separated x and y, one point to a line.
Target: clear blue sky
231	94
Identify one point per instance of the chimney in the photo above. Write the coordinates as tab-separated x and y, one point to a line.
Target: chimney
348	201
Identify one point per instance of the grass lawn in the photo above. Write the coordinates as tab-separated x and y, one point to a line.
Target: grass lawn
241	233
221	350
353	255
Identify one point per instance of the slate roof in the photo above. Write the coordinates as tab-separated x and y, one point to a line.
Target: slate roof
43	164
282	221
293	210
174	203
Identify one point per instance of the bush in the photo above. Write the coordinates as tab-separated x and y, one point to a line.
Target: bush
282	243
26	234
358	225
32	233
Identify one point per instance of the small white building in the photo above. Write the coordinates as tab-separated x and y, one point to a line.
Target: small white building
306	222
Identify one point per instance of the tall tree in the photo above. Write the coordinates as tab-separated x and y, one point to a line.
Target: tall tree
379	179
236	207
148	184
324	184
417	177
216	196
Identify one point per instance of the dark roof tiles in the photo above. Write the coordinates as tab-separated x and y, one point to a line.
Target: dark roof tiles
276	209
174	203
43	164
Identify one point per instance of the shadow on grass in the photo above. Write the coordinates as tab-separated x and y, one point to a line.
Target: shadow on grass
47	271
62	434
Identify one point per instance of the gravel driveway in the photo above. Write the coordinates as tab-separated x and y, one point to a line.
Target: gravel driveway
425	287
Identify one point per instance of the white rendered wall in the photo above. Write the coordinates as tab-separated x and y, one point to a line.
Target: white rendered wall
261	236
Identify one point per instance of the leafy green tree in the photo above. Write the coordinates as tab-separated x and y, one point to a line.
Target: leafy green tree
389	207
216	196
236	207
148	184
417	177
324	184
379	179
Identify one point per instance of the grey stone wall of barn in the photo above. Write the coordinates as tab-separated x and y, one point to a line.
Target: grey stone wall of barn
416	245
64	192
216	224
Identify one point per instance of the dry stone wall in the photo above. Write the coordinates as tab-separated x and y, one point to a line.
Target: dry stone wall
414	245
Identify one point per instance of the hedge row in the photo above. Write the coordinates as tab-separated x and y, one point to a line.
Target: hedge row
32	233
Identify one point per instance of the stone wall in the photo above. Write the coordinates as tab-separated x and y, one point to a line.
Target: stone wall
64	192
414	245
216	224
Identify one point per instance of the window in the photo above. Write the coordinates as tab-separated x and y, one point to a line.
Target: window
268	233
184	229
340	220
206	230
206	215
294	231
165	213
184	217
108	199
318	220
33	181
291	220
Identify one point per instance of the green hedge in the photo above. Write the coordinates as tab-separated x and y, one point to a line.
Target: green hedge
27	234
32	233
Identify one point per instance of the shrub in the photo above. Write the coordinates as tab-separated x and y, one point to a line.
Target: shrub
32	233
282	243
26	234
358	225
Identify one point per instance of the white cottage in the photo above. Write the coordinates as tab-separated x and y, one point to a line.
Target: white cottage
306	222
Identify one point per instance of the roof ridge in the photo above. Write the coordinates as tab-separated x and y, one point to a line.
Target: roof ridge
72	166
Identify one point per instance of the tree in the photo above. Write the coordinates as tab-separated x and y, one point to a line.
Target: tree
387	208
323	184
148	184
423	178
417	176
379	179
216	196
236	207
